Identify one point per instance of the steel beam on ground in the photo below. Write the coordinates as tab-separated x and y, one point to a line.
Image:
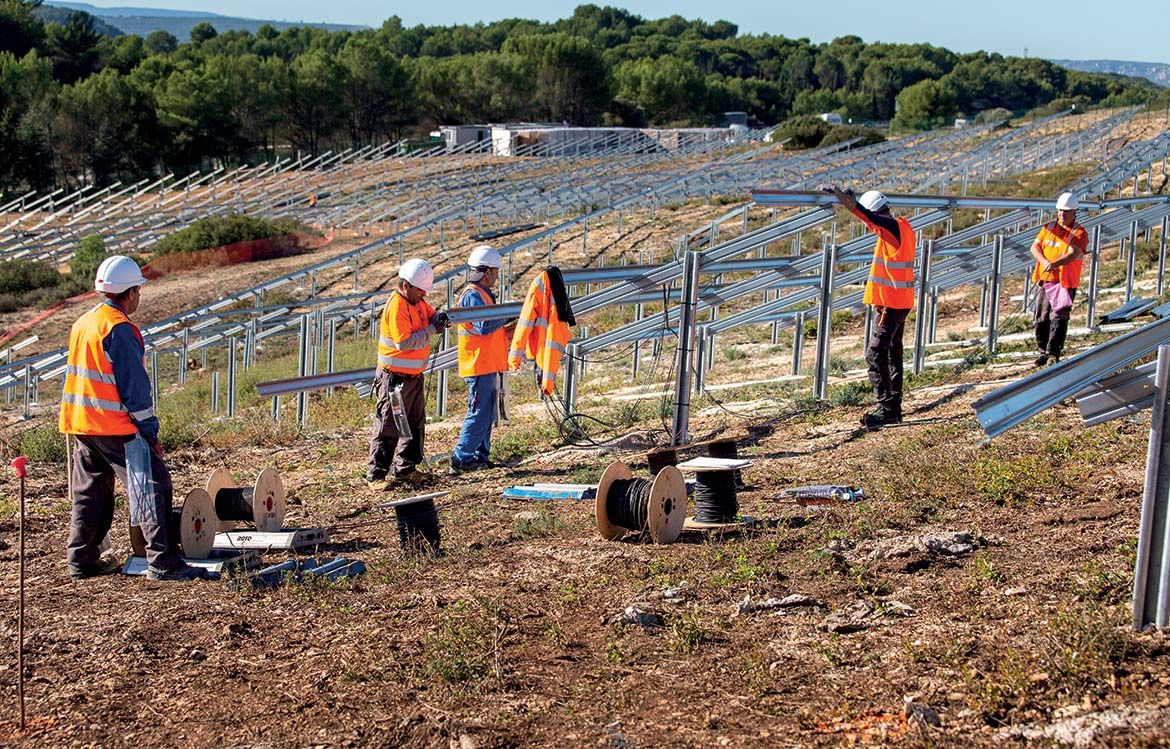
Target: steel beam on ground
1151	580
1015	403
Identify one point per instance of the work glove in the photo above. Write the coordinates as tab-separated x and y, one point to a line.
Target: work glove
827	187
157	447
440	321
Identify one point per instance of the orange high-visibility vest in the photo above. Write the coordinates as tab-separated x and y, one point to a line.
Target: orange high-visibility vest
1055	240
540	334
891	277
90	403
481	354
401	319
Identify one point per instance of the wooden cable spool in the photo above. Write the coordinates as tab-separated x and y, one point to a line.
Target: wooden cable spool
262	505
194	524
665	510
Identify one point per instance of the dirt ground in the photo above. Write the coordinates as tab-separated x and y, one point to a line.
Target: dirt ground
977	596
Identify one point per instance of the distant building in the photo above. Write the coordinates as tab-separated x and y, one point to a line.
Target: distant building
735	118
461	135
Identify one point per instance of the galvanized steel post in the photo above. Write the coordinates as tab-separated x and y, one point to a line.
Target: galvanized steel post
154	376
1162	255
231	375
686	350
993	294
1151	578
215	392
183	348
824	317
303	353
922	315
797	341
570	367
1131	261
1094	278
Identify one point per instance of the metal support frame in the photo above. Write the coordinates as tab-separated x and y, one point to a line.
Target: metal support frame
993	295
1094	278
922	315
1151	578
233	355
824	318
686	350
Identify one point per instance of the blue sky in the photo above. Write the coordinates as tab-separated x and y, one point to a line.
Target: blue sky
1073	29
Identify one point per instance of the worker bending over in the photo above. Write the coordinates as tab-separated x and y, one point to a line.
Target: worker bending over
107	406
1059	252
404	347
890	291
483	355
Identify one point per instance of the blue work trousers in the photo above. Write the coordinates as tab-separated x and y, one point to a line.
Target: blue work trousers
475	438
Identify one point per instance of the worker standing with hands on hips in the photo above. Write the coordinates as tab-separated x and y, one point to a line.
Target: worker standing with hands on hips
404	347
890	291
1059	252
483	356
106	405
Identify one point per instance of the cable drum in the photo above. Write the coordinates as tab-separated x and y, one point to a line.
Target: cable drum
728	450
626	504
659	459
263	505
194	525
715	497
418	528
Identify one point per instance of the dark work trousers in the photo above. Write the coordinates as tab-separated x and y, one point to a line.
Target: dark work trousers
883	353
96	461
387	450
1051	327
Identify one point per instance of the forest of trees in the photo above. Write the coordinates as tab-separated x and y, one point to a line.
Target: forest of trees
79	107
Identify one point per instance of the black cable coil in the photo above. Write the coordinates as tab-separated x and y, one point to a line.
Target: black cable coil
627	503
715	499
418	527
234	503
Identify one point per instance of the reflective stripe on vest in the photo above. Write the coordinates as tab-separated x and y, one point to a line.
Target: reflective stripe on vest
891	276
481	354
405	318
90	403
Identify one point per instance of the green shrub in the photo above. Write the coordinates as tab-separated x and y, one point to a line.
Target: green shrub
805	131
217	231
842	133
86	259
18	277
43	443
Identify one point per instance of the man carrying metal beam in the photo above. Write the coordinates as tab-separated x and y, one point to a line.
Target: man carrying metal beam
890	291
1059	250
483	355
107	406
404	348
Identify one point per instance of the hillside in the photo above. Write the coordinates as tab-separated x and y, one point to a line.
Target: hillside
142	21
56	14
1158	72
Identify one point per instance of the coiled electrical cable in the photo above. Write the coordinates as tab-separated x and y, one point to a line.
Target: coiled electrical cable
627	503
418	527
715	498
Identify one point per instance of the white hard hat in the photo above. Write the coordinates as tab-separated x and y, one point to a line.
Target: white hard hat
873	200
417	272
484	255
1067	202
116	274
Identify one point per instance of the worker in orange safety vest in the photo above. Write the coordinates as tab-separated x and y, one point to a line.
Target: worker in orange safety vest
890	291
1059	252
404	349
107	409
483	357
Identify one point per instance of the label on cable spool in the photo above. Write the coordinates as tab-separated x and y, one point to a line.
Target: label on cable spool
714	464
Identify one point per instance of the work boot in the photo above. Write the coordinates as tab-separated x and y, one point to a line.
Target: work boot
413	477
1041	360
880	418
106	565
183	573
458	469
